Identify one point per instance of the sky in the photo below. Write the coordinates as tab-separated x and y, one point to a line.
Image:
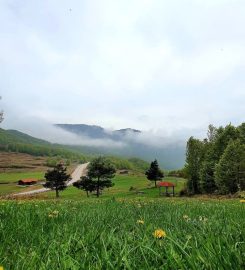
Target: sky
161	66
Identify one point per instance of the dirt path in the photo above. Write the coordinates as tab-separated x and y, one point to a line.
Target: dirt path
80	170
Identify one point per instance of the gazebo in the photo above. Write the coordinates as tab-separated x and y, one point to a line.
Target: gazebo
166	185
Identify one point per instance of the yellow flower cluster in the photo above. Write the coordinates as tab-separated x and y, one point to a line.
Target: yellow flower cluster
159	233
242	201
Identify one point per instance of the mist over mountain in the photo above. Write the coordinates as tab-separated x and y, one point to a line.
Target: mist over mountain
170	154
96	132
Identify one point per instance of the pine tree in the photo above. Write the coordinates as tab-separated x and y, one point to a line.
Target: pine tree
101	171
154	173
56	178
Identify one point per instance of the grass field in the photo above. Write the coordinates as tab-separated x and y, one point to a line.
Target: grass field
8	180
15	176
120	189
107	234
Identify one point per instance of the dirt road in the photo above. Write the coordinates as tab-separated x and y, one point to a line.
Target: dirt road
80	170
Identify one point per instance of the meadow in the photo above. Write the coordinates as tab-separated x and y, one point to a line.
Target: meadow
121	233
125	186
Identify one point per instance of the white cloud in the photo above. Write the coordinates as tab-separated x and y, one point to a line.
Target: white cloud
180	64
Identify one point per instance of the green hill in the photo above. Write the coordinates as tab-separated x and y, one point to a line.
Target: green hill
15	141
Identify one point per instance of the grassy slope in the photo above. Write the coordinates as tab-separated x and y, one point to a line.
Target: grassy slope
104	234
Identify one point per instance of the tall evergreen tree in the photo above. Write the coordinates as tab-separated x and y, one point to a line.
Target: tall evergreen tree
56	178
229	172
154	173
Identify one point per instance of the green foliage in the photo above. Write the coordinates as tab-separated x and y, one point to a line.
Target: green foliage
194	158
56	179
86	183
101	171
154	173
208	164
229	173
178	173
241	130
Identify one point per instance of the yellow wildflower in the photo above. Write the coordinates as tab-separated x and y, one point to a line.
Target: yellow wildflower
159	233
242	201
185	217
140	221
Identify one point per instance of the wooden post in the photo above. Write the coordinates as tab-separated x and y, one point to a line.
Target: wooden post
173	191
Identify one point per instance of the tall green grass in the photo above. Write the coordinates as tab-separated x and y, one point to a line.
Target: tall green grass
104	234
16	176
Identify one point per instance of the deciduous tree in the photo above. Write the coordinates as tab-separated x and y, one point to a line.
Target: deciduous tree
194	158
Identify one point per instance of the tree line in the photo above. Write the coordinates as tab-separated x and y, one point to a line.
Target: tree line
217	163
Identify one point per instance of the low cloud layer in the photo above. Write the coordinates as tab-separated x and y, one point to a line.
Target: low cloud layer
169	68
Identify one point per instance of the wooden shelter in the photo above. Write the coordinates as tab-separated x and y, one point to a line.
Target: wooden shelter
166	185
27	182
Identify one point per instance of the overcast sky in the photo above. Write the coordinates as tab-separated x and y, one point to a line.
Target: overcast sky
162	65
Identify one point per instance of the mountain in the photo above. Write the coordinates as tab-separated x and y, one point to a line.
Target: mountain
96	132
16	141
169	156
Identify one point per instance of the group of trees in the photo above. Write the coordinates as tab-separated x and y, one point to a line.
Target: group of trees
99	177
217	163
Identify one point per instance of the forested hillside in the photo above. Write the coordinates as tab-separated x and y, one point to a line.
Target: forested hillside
217	164
15	141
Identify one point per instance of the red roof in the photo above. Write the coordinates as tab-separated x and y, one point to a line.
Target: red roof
29	180
166	184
